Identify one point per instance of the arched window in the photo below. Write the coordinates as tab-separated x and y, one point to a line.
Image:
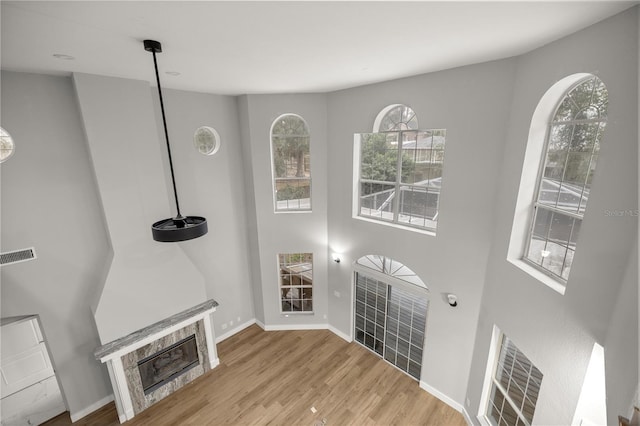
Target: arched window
391	311
571	152
398	169
291	163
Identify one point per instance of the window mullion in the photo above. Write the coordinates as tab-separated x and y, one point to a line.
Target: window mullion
396	199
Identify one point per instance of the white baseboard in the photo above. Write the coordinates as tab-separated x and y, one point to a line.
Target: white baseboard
90	409
340	334
284	327
235	330
442	397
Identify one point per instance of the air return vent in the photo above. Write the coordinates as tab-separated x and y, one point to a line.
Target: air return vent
17	256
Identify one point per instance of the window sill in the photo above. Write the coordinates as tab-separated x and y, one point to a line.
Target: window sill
539	275
292	211
397	226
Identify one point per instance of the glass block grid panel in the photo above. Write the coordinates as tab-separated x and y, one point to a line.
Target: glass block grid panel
401	176
370	313
515	388
391	322
296	282
572	148
404	339
290	143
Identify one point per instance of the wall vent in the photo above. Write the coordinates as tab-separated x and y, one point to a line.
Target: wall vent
17	256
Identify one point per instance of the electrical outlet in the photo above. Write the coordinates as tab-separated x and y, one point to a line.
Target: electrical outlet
336	293
238	319
224	326
231	322
325	316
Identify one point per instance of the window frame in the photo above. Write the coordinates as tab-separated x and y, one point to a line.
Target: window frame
274	178
398	184
486	402
535	205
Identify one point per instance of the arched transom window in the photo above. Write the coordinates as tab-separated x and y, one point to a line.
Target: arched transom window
396	117
572	147
291	162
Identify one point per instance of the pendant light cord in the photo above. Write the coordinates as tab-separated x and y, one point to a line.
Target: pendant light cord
166	135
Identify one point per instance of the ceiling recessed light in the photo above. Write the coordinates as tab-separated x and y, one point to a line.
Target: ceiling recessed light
173	73
63	56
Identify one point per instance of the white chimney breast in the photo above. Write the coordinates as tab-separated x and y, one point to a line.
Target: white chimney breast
148	281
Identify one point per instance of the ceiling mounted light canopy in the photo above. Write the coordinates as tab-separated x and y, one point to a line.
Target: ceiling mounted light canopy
179	228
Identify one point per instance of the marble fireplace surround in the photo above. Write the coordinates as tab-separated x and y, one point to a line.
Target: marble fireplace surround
122	356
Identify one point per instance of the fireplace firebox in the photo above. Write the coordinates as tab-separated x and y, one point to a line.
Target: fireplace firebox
171	362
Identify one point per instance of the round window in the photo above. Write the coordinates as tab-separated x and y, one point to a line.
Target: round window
206	140
7	146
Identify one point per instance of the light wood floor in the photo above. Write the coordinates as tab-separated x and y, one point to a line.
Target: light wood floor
275	378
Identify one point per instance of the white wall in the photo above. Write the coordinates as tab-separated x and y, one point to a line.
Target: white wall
557	332
287	232
50	202
472	104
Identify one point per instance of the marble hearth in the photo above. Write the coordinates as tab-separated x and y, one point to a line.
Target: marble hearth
123	355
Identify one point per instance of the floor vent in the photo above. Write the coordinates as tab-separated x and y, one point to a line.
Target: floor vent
17	256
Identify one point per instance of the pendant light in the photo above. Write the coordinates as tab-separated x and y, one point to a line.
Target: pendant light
179	228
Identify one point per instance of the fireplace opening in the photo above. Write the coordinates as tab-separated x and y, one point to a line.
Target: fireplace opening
164	366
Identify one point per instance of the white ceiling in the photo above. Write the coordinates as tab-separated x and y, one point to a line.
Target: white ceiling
236	47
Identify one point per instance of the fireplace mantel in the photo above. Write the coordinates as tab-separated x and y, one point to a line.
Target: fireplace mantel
118	355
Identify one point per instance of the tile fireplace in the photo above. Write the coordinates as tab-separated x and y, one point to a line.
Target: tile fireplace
150	364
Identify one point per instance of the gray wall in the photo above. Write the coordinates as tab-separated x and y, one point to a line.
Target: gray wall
299	232
472	104
147	280
50	202
214	187
621	345
557	332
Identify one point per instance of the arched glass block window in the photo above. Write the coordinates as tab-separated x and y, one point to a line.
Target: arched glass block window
390	315
399	170
570	156
291	162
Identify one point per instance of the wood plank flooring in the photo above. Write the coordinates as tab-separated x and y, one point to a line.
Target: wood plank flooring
275	377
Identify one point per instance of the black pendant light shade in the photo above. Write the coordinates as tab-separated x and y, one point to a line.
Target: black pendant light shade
179	228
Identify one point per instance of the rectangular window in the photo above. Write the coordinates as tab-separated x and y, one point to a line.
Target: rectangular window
515	385
400	176
296	282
